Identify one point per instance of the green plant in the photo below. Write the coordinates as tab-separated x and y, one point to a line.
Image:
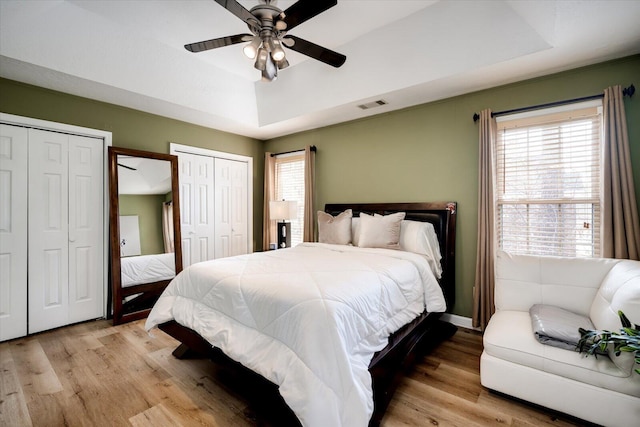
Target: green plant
594	342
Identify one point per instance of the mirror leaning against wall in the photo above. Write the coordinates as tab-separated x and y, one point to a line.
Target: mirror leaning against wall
144	223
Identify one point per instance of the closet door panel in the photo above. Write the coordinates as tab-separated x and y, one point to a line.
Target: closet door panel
239	209
231	207
85	228
48	230
13	231
196	204
223	170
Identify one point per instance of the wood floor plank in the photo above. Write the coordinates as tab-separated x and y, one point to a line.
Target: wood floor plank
96	374
524	414
154	417
448	408
180	406
35	369
196	378
13	406
460	382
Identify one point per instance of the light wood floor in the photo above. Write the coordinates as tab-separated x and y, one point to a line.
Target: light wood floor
94	374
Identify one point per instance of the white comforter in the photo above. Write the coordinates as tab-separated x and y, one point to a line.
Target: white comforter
138	270
307	318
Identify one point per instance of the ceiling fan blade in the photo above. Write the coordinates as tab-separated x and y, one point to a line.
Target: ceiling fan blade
304	10
219	42
238	10
127	167
314	51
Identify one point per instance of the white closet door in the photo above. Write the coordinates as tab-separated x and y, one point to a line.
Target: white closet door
13	232
231	208
48	230
85	228
196	208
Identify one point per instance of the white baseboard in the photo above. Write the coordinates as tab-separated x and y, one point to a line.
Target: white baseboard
463	322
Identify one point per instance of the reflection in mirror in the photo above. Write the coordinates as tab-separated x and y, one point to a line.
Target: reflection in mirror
145	250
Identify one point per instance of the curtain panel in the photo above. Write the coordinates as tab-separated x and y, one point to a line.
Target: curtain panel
309	233
268	226
483	292
167	227
621	226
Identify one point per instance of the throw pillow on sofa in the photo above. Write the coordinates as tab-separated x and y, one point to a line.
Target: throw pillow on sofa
556	326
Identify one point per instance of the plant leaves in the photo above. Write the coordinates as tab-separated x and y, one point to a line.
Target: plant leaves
623	319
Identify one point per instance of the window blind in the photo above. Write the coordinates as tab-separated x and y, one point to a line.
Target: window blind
548	184
290	186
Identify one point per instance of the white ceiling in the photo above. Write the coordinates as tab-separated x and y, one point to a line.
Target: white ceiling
138	175
131	53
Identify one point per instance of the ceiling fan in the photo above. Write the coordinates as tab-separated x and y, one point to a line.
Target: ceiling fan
269	27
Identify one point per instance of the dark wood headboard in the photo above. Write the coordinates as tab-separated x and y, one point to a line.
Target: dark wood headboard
443	217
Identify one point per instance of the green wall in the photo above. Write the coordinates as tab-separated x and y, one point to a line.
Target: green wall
149	211
429	152
423	153
133	129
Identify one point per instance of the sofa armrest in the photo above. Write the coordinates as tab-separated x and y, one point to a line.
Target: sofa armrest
570	283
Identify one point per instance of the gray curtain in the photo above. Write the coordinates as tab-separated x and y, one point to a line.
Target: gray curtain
309	233
621	226
269	226
483	294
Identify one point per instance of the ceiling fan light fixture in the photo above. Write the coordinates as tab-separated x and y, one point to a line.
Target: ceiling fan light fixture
277	53
270	72
261	59
251	49
282	64
281	25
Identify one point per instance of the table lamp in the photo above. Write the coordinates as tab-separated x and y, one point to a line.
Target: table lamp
281	211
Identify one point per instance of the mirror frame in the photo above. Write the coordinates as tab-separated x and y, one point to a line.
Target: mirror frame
153	289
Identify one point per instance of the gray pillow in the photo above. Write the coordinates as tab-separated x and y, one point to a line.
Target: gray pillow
335	229
556	326
380	231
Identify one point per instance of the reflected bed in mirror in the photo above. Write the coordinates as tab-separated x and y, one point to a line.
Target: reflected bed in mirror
145	232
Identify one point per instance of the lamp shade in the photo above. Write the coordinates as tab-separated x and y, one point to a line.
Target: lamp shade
283	209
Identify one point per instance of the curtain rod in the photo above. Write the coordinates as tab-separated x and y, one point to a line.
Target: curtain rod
629	91
313	148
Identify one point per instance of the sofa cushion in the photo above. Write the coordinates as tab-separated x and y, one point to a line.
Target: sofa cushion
620	290
509	337
570	283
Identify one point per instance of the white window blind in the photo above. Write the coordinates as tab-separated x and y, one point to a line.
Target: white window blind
548	184
290	186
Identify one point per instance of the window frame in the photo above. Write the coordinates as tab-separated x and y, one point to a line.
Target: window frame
544	119
297	224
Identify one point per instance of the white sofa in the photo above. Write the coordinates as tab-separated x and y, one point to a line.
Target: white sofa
515	363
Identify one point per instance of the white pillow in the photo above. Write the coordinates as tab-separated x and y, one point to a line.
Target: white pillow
335	229
415	236
380	231
355	230
421	238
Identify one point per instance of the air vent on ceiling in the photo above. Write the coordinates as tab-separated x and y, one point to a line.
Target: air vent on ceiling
372	104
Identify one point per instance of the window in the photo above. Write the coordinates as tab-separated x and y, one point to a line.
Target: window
548	182
290	186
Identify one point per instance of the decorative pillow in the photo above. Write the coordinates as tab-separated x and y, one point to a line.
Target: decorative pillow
421	238
556	326
335	229
380	231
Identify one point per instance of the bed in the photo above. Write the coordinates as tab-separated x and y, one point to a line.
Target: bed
350	324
